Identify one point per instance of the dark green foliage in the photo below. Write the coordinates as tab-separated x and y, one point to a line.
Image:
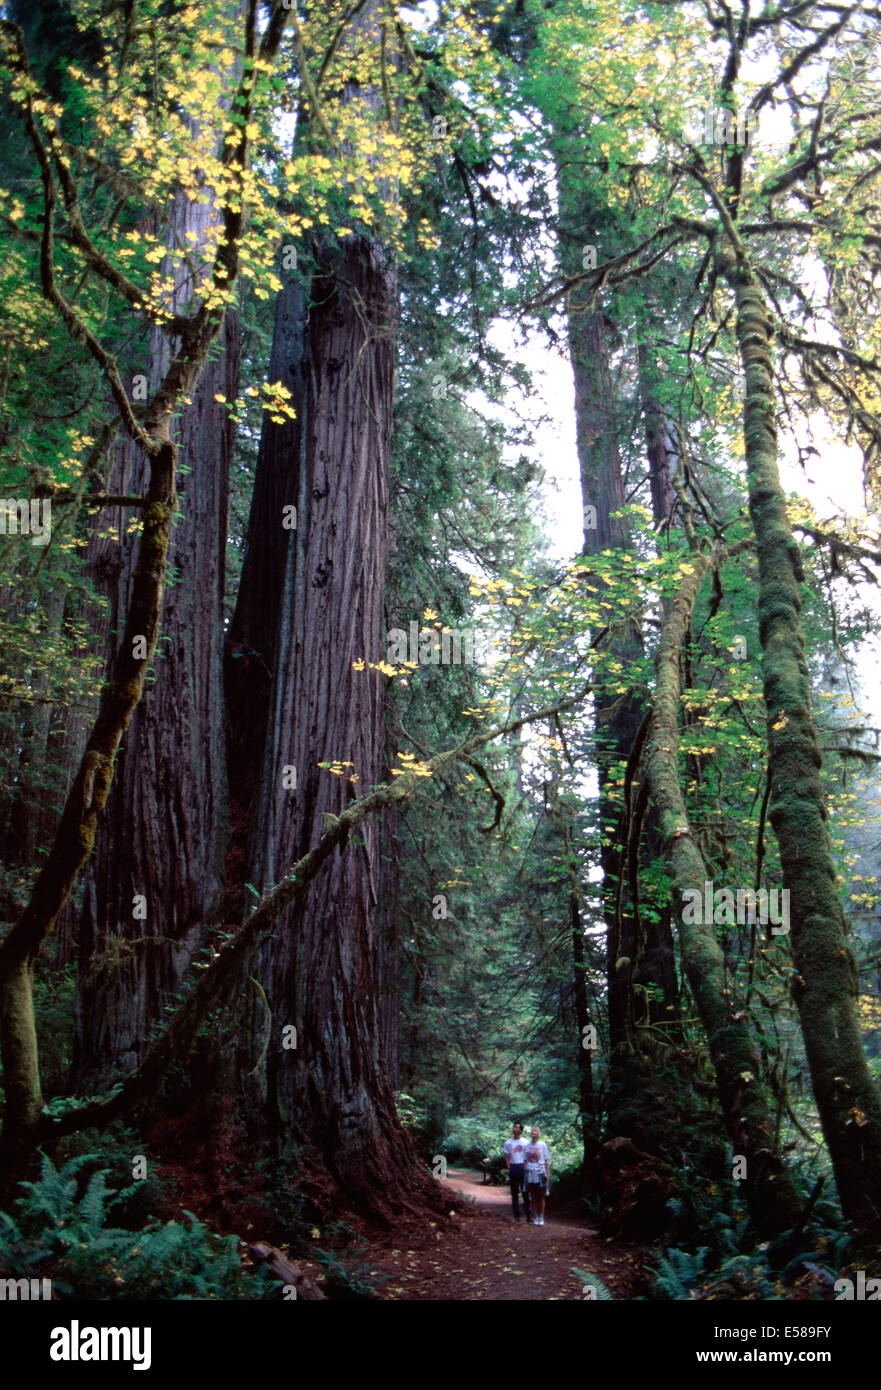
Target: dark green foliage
61	1228
724	1261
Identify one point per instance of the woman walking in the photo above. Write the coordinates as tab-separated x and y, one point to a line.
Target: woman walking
537	1175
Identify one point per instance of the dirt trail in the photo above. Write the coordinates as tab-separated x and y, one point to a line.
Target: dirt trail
485	1254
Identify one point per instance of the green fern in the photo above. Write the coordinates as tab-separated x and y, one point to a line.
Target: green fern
678	1271
52	1231
603	1294
92	1205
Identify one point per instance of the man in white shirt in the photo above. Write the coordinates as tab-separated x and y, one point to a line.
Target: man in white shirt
537	1163
514	1151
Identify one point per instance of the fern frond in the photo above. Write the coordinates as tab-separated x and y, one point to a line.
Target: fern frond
678	1272
603	1294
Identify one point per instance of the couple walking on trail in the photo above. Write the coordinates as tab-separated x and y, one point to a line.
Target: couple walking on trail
529	1170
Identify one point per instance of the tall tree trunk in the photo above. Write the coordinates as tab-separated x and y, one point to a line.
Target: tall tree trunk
617	721
155	881
635	1099
250	656
321	973
658	961
746	1106
586	1094
826	985
660	449
122	691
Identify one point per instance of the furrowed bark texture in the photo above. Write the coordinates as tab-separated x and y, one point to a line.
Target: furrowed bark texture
617	721
746	1105
322	971
586	1095
826	985
88	794
166	815
659	444
250	649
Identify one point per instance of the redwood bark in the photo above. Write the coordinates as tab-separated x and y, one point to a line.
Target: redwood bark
321	973
165	819
122	692
250	649
660	449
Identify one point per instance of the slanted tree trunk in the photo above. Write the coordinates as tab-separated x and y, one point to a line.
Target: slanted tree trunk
746	1105
826	985
658	962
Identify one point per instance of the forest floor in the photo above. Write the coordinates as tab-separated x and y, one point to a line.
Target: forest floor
484	1254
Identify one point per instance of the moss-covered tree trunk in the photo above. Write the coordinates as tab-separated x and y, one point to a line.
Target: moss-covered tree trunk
826	986
23	1098
746	1104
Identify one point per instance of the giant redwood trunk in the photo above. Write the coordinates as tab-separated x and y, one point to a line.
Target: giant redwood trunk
155	879
250	649
137	647
825	986
321	970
